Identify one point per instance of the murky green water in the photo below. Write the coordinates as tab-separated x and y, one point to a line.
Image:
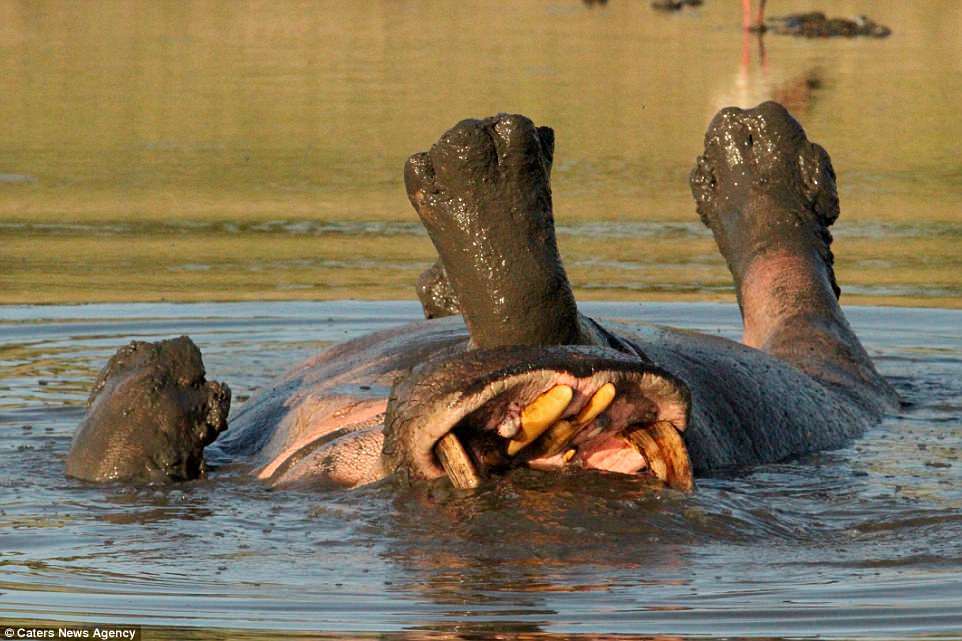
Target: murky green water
216	151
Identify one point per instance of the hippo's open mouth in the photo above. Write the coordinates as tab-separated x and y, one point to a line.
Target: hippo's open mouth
545	407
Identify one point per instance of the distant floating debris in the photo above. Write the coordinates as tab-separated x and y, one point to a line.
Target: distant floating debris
674	5
815	24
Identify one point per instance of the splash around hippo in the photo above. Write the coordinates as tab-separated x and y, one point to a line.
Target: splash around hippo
506	372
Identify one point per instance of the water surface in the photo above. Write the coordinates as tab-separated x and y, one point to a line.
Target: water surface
863	542
221	151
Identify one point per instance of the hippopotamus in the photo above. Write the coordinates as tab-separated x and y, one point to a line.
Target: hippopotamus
506	372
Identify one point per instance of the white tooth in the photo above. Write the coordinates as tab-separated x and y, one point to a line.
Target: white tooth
595	431
508	428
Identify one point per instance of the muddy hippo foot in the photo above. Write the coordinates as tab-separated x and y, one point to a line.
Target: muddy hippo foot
764	189
552	409
483	193
149	416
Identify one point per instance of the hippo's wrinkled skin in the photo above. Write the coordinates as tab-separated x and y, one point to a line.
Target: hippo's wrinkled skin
380	405
149	416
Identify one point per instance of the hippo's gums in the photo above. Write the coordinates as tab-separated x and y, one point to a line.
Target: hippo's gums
525	379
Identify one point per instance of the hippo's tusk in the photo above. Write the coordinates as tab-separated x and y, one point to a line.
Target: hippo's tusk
598	403
674	450
540	415
665	452
456	462
646	444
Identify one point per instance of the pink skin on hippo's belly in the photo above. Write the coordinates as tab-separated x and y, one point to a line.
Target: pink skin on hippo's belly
343	445
323	421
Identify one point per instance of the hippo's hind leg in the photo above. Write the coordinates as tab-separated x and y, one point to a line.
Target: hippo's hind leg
768	194
436	294
483	194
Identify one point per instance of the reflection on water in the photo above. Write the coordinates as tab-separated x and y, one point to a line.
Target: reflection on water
860	542
214	151
758	80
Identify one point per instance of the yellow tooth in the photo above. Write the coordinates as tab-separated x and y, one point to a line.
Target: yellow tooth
598	403
540	415
570	454
554	439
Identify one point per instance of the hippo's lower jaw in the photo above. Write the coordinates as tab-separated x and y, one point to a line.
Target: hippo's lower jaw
545	407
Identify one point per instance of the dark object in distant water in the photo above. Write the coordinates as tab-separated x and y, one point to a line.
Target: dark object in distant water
674	5
592	3
817	25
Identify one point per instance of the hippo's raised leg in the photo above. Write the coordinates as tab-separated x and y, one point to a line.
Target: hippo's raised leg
769	197
483	193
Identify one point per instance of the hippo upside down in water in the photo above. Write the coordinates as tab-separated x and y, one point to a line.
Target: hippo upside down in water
521	377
